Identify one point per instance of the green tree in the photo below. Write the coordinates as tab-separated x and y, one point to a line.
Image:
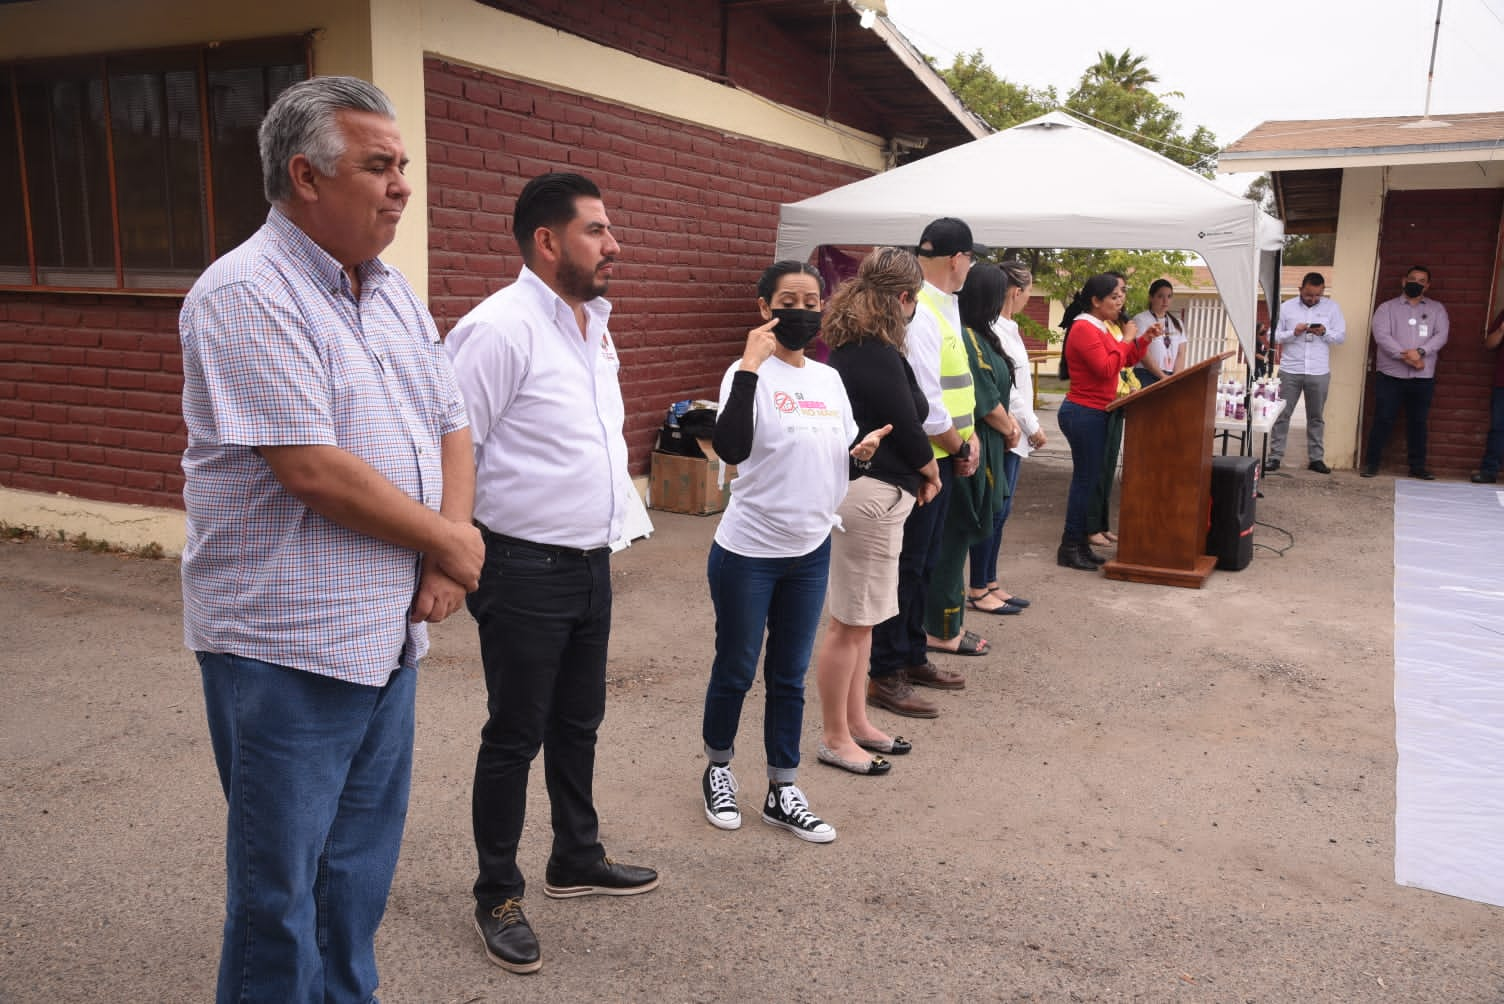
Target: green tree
1128	71
1001	103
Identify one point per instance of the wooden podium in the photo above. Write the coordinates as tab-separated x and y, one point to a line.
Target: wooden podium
1167	479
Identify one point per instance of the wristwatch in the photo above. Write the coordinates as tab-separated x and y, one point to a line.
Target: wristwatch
1422	351
964	453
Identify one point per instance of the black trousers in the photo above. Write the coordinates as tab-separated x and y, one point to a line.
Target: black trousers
1391	394
544	616
899	641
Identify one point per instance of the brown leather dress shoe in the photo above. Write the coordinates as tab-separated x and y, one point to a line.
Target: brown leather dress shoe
894	693
930	675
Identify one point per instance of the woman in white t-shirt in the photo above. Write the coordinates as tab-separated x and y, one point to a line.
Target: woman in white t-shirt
1165	354
786	424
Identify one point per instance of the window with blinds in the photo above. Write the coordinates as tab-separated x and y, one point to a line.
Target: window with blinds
134	171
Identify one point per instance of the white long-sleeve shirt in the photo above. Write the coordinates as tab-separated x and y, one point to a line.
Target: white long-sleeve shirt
1308	354
1021	397
922	347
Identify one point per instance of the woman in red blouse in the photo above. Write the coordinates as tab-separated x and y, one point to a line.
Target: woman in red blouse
1093	358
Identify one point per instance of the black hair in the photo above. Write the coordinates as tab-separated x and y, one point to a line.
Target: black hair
548	201
1419	268
768	284
981	299
1317	279
1098	287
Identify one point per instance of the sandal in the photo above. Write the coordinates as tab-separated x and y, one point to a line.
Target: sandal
1006	608
969	643
1017	601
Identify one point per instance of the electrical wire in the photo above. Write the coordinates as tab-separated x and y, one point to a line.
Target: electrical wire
1280	551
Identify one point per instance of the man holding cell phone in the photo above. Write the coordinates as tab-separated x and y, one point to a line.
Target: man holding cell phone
1309	325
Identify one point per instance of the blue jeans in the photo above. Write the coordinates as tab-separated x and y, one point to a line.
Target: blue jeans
1390	395
316	772
785	595
983	557
1086	430
1493	450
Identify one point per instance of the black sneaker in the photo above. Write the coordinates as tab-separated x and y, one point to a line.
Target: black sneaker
1271	465
604	878
1319	467
508	937
787	807
719	789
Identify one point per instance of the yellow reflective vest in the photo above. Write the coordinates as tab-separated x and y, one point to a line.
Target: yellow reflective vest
956	390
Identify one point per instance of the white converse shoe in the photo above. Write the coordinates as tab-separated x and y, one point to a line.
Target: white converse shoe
787	807
719	788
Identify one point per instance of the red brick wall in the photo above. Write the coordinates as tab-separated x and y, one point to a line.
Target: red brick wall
688	34
1454	233
90	390
695	211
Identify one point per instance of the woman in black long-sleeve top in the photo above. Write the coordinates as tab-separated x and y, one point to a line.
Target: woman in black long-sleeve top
864	326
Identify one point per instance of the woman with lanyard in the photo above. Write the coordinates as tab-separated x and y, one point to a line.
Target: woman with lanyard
1166	354
865	325
784	420
1094	359
985	593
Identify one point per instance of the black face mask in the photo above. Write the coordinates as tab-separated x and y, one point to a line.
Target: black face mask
1414	289
796	328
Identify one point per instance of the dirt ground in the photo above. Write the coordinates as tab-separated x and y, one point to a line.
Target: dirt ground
1144	793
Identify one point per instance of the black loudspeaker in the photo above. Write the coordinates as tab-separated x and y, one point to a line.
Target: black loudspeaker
1235	485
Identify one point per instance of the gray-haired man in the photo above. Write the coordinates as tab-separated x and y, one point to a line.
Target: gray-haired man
329	480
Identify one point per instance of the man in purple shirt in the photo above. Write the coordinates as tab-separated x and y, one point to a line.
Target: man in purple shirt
1408	333
328	484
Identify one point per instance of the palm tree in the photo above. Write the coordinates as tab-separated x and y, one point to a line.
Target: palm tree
1128	71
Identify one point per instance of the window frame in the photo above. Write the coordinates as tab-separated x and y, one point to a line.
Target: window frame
200	55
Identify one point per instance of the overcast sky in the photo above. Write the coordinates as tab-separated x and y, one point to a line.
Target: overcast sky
1238	63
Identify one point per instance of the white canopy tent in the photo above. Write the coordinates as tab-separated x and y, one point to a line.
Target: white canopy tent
1056	182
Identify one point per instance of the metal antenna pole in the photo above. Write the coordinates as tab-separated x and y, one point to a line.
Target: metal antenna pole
1431	72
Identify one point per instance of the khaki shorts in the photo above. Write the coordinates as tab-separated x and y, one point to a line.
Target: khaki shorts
864	554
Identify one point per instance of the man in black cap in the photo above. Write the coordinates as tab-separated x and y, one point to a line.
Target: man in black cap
938	357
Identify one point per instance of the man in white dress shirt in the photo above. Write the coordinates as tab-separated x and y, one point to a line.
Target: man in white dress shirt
538	369
1309	325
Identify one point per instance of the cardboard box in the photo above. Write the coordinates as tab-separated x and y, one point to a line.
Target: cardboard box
689	484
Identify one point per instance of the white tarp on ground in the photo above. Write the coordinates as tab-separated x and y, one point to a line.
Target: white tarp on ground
1449	689
1056	182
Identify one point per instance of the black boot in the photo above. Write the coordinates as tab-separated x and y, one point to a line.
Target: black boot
1089	554
1070	554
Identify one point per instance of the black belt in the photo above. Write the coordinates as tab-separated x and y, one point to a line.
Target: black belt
490	535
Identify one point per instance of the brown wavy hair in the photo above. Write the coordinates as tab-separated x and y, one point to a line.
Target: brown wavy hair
867	306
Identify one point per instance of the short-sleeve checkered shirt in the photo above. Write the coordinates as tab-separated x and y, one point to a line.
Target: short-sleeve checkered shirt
277	352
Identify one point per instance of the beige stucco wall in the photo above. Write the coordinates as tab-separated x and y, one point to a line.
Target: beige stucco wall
1354	267
75	27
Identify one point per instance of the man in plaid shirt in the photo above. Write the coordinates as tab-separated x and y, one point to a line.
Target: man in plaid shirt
329	482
